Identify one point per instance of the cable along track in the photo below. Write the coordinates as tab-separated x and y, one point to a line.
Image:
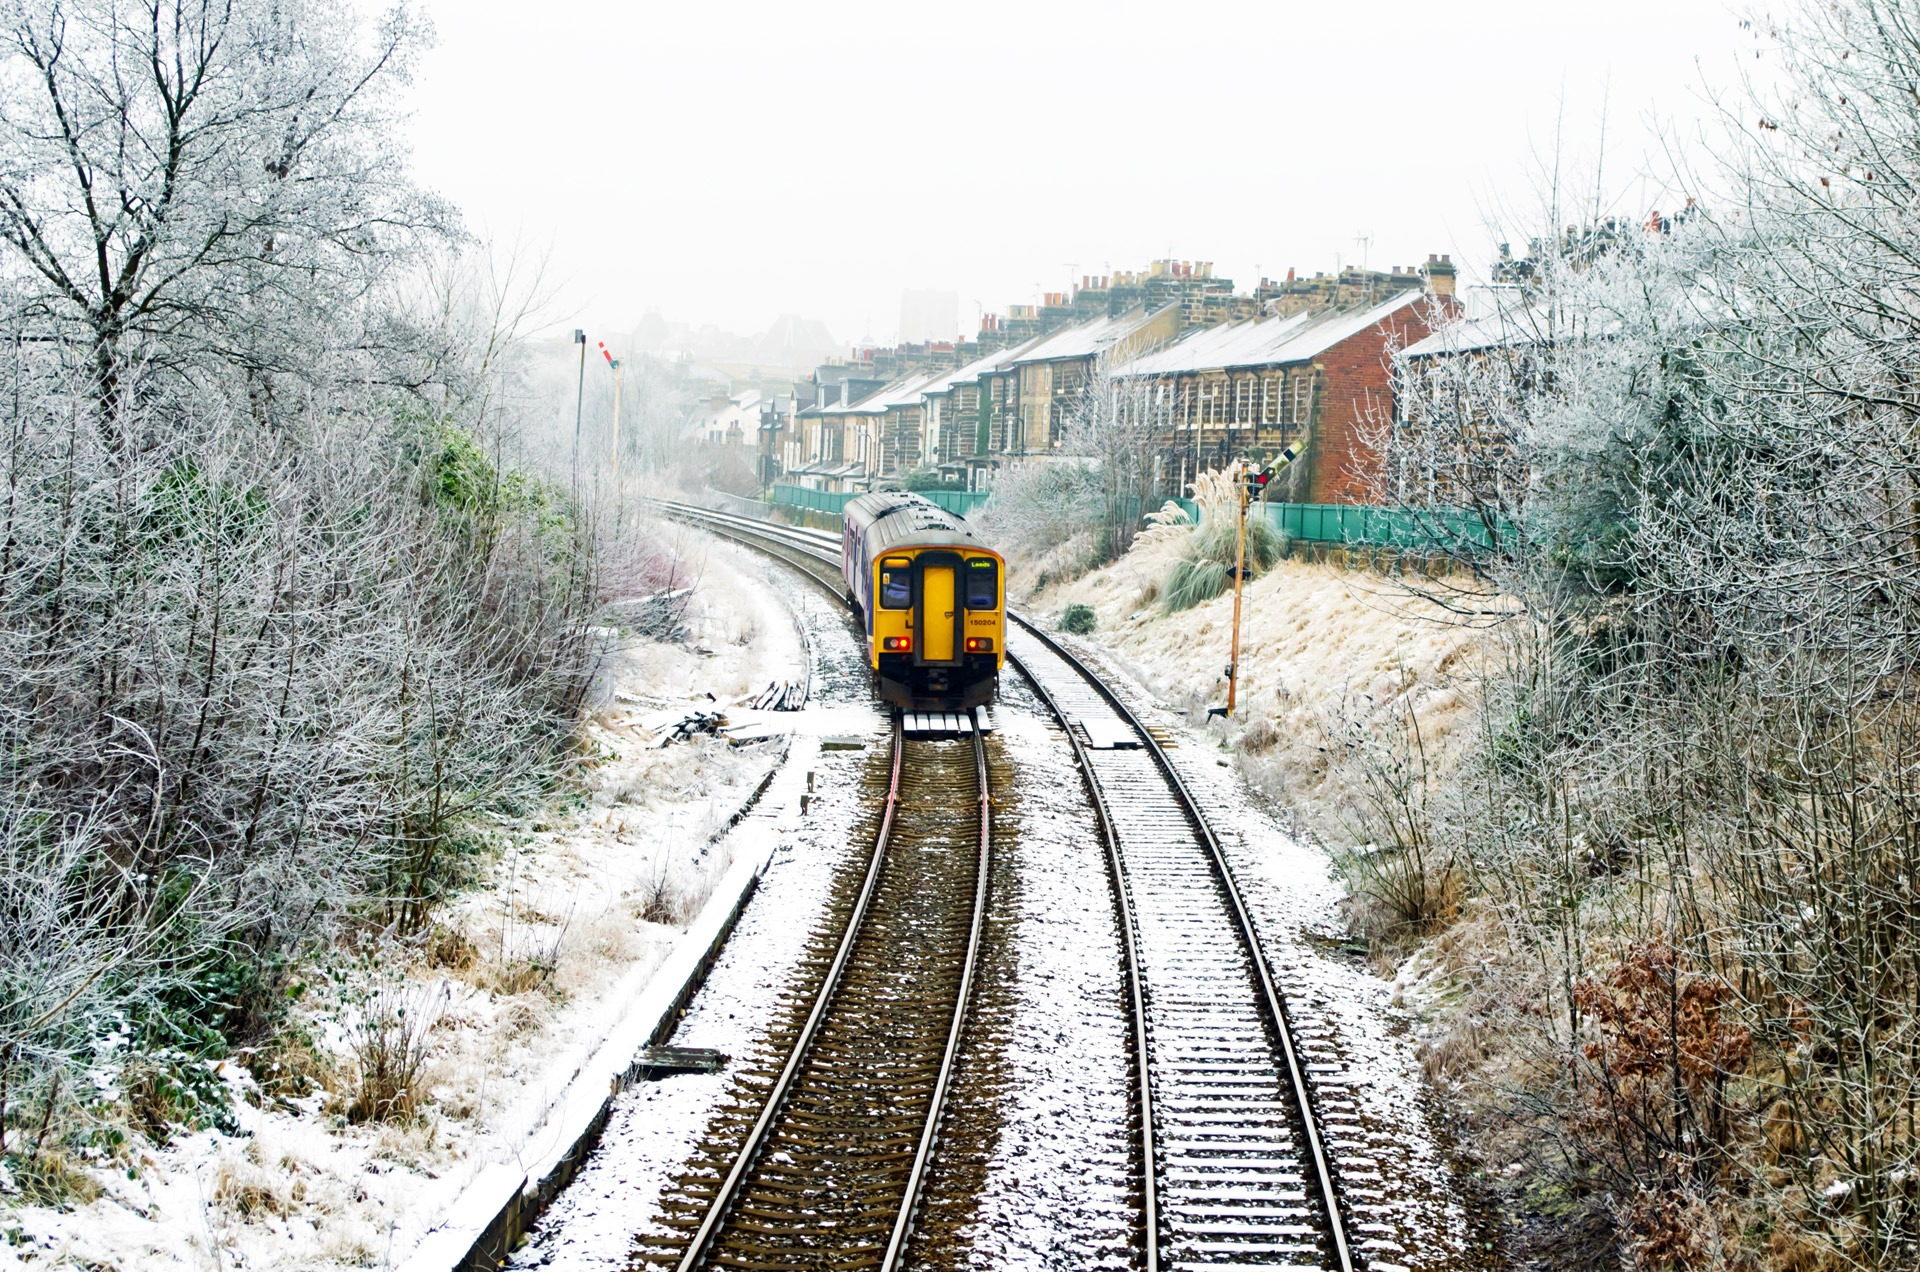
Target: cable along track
1239	1176
830	1169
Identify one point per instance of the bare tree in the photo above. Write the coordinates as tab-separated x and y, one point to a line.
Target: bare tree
186	181
287	610
1691	803
1114	420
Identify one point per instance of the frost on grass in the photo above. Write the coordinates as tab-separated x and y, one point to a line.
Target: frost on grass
418	1059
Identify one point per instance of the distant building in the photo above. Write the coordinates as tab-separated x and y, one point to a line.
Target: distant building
1455	396
1052	373
728	419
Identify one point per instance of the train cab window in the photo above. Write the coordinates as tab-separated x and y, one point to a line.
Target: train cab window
896	583
983	585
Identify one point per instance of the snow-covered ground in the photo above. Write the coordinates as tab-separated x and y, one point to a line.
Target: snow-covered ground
523	978
1325	652
1033	1163
1043	1185
812	810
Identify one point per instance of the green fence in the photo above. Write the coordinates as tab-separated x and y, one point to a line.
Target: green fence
1357	525
959	502
1414	528
803	497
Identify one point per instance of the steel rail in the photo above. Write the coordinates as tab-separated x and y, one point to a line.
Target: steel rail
798	536
775	548
1271	1000
1136	995
1272	1003
783	1085
744	531
916	1178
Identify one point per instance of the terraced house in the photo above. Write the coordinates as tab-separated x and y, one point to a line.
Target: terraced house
1322	378
1222	376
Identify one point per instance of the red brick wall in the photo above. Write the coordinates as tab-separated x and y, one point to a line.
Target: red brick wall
1356	388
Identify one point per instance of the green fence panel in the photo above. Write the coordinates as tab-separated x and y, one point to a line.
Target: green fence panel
1421	529
1436	530
961	503
805	497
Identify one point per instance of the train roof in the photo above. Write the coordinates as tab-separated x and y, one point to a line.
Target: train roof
892	518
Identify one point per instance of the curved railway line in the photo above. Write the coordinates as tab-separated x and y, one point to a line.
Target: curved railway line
1234	1168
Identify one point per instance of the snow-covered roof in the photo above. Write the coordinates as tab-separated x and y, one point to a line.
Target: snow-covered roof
981	366
900	393
1230	344
1470	334
741	409
1265	341
1084	340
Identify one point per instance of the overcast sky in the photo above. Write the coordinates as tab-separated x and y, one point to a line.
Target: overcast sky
729	162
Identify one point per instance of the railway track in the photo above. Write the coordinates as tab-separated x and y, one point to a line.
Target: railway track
820	1164
1234	1168
794	545
1241	1176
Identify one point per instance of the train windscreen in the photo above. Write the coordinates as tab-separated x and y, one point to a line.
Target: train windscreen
896	583
983	590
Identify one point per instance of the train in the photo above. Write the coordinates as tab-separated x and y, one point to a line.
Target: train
931	600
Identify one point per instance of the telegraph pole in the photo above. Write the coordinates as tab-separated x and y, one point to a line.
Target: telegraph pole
1249	486
579	399
615	364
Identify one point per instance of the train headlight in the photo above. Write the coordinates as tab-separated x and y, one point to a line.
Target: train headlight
897	644
979	644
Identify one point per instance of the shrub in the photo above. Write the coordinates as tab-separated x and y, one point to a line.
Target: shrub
389	1037
1205	567
1078	619
1048	513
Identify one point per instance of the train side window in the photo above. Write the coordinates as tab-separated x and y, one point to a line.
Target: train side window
983	585
896	583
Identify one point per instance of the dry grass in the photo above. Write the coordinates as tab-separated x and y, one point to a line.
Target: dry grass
288	1067
449	949
49	1178
260	1182
388	1043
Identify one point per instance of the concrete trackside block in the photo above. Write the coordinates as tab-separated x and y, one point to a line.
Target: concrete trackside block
502	1202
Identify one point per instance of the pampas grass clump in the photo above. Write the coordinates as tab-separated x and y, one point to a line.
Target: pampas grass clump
1205	567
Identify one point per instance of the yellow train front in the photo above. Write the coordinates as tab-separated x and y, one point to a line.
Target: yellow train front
931	601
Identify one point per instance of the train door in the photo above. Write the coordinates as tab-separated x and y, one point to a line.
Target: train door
939	609
936	585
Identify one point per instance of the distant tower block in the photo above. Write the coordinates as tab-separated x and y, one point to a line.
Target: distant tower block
929	315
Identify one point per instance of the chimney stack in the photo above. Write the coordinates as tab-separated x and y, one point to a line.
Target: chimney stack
1440	274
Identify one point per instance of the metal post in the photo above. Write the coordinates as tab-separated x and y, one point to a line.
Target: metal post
616	417
1239	573
579	399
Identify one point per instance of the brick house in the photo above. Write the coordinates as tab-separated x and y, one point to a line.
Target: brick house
1249	389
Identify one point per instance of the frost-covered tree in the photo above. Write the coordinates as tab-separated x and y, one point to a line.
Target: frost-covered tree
1693	802
1112	420
186	183
286	615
